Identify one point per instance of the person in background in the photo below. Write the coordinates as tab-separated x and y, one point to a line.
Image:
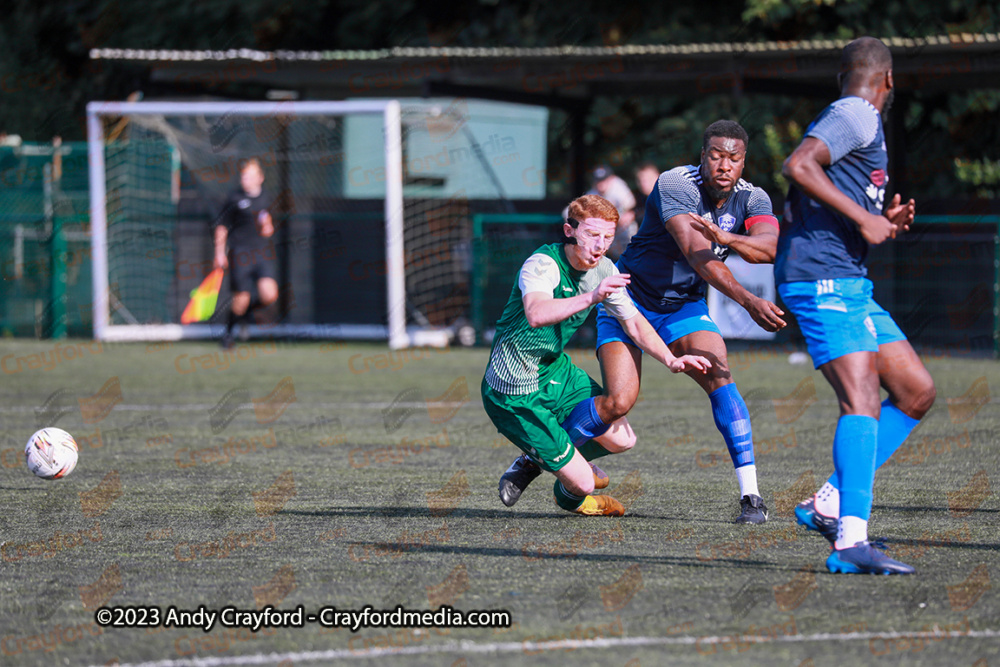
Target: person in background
646	175
616	190
245	226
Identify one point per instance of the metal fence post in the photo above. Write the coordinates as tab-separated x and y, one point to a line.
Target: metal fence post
996	291
57	247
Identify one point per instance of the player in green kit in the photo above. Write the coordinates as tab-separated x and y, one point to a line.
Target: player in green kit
533	393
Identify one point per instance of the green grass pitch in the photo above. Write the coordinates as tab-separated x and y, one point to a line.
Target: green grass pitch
342	475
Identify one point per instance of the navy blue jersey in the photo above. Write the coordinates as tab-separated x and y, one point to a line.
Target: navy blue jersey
662	279
818	243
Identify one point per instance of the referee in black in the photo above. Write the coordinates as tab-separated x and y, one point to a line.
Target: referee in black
246	225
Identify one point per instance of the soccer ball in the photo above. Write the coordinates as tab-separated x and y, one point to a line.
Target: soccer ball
51	453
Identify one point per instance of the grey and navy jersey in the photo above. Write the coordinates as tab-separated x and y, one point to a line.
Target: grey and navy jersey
662	279
818	243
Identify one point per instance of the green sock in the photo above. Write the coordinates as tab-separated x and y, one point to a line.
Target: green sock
592	450
565	499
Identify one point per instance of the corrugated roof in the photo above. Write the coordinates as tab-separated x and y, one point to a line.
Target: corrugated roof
763	48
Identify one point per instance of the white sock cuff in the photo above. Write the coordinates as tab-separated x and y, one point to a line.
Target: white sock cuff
828	500
747	478
850	531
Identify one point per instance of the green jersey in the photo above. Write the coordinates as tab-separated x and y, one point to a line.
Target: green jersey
522	356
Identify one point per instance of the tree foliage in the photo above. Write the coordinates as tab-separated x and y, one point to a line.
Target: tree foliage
46	76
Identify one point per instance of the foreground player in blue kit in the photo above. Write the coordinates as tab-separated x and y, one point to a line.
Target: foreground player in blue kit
834	210
694	216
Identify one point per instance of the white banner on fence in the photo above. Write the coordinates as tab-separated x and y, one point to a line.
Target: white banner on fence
733	321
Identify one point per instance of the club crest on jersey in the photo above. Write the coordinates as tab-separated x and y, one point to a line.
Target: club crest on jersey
727	221
244	203
878	177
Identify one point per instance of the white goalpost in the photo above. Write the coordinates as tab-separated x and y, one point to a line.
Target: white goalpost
158	171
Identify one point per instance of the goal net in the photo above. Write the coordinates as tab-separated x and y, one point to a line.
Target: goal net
370	202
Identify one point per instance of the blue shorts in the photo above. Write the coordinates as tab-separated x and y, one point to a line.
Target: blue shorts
690	317
838	316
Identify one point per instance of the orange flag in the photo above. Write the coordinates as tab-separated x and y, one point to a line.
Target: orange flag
203	299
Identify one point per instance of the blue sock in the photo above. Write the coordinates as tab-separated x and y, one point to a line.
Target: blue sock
854	446
733	420
584	423
894	427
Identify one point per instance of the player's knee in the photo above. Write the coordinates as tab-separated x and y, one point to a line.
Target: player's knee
583	486
241	301
923	399
861	405
268	294
618	405
629	441
720	368
620	443
622	438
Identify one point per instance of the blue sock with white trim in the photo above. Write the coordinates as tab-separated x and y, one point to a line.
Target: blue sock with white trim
854	445
733	420
894	427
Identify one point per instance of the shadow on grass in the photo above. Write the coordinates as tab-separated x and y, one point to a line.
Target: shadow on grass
396	511
944	542
943	510
418	512
536	555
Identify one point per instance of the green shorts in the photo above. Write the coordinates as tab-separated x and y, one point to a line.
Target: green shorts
532	421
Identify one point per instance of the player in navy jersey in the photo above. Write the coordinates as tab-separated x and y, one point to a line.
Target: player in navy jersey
694	216
834	210
245	225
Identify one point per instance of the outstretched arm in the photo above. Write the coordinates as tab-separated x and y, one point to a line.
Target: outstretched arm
698	252
621	307
642	333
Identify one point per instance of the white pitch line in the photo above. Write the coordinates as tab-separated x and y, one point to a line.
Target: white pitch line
198	407
537	647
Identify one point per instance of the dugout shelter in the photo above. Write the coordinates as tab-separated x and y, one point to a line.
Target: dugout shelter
944	287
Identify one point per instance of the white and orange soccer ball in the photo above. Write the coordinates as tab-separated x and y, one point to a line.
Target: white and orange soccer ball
51	453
